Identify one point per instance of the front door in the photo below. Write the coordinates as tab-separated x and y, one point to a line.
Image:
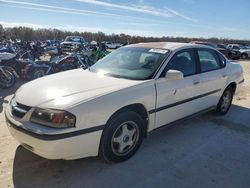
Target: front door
178	98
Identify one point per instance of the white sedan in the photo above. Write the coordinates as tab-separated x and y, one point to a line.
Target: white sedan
108	109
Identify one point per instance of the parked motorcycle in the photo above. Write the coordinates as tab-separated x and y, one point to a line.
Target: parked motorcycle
57	64
16	61
98	53
52	50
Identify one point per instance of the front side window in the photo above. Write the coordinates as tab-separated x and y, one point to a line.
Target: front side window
131	62
183	61
208	60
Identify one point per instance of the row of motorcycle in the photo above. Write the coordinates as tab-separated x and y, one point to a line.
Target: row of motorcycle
24	63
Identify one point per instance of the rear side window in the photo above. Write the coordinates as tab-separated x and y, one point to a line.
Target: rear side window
208	60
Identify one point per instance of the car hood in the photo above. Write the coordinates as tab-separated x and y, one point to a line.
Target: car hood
71	43
68	88
244	50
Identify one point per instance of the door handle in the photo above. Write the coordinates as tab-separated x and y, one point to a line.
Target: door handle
224	75
196	82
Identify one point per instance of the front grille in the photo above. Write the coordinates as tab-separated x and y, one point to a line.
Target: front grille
17	113
66	46
19	110
22	106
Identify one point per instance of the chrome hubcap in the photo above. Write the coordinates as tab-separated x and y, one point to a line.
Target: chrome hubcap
226	100
125	138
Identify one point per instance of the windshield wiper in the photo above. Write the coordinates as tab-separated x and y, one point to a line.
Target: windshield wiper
119	76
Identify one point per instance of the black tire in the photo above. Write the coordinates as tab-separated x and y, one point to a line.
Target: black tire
223	107
68	66
108	145
37	73
7	82
244	56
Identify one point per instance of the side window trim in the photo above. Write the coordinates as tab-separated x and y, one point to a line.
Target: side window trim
197	59
222	56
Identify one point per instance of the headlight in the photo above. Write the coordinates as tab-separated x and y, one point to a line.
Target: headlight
53	118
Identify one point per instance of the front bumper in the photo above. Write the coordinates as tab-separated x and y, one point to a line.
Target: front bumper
67	49
68	146
236	55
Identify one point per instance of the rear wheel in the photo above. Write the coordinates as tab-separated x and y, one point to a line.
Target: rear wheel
38	73
225	101
122	137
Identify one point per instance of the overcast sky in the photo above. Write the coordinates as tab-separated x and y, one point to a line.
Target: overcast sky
188	18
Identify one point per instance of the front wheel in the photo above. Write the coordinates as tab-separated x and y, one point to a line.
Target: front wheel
122	137
244	56
225	101
7	79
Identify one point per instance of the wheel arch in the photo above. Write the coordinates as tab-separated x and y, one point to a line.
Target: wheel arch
233	85
138	108
245	53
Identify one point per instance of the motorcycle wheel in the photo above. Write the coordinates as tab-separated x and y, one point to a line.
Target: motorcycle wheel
67	66
37	74
7	81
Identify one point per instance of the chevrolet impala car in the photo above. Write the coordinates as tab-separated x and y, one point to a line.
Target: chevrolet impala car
110	108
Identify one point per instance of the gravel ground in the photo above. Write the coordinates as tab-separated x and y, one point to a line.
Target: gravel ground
205	151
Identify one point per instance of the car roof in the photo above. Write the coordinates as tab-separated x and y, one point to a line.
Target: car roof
75	36
165	45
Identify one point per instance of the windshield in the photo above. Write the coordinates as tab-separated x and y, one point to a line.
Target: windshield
131	63
73	39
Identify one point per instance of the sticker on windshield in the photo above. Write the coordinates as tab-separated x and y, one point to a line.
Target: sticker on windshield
160	51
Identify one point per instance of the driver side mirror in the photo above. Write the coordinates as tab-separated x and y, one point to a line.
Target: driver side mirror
174	75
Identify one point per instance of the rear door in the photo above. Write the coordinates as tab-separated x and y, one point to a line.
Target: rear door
213	75
178	98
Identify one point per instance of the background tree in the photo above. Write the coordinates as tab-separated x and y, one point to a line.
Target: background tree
30	34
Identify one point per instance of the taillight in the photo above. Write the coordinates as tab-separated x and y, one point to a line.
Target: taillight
26	69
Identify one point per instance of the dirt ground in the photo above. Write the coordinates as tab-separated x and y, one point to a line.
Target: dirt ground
205	151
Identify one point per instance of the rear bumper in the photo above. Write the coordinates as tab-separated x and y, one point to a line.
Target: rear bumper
54	146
